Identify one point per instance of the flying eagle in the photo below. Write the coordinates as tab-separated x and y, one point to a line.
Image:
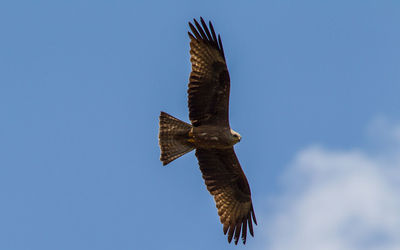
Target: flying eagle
210	133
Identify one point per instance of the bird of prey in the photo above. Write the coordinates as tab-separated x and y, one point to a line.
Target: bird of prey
210	134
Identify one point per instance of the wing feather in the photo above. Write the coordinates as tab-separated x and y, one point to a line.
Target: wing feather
209	82
209	37
244	230
237	231
226	181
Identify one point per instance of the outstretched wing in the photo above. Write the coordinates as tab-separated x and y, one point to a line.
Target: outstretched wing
209	82
226	181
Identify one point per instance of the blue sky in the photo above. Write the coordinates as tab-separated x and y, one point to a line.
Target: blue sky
314	94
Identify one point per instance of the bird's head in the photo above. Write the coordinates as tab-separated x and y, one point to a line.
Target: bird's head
236	136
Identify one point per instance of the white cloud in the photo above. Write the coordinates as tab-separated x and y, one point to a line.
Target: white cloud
339	200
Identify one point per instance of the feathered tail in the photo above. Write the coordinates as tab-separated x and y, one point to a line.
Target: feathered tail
173	138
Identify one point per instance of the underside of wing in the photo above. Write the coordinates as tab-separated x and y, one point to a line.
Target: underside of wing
226	181
209	82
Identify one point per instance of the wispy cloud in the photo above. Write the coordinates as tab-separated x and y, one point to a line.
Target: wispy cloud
339	200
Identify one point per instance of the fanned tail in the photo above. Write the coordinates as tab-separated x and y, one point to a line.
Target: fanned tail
173	138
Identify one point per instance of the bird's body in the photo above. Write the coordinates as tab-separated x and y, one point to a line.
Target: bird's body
210	134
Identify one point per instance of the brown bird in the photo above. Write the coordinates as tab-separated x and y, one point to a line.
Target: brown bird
210	133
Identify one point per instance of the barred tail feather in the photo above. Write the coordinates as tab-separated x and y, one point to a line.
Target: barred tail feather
173	138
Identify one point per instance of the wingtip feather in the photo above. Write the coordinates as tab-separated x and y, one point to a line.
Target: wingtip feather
225	229
230	233
253	215
206	34
244	230
237	232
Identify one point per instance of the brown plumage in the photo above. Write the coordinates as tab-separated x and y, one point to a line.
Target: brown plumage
210	133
